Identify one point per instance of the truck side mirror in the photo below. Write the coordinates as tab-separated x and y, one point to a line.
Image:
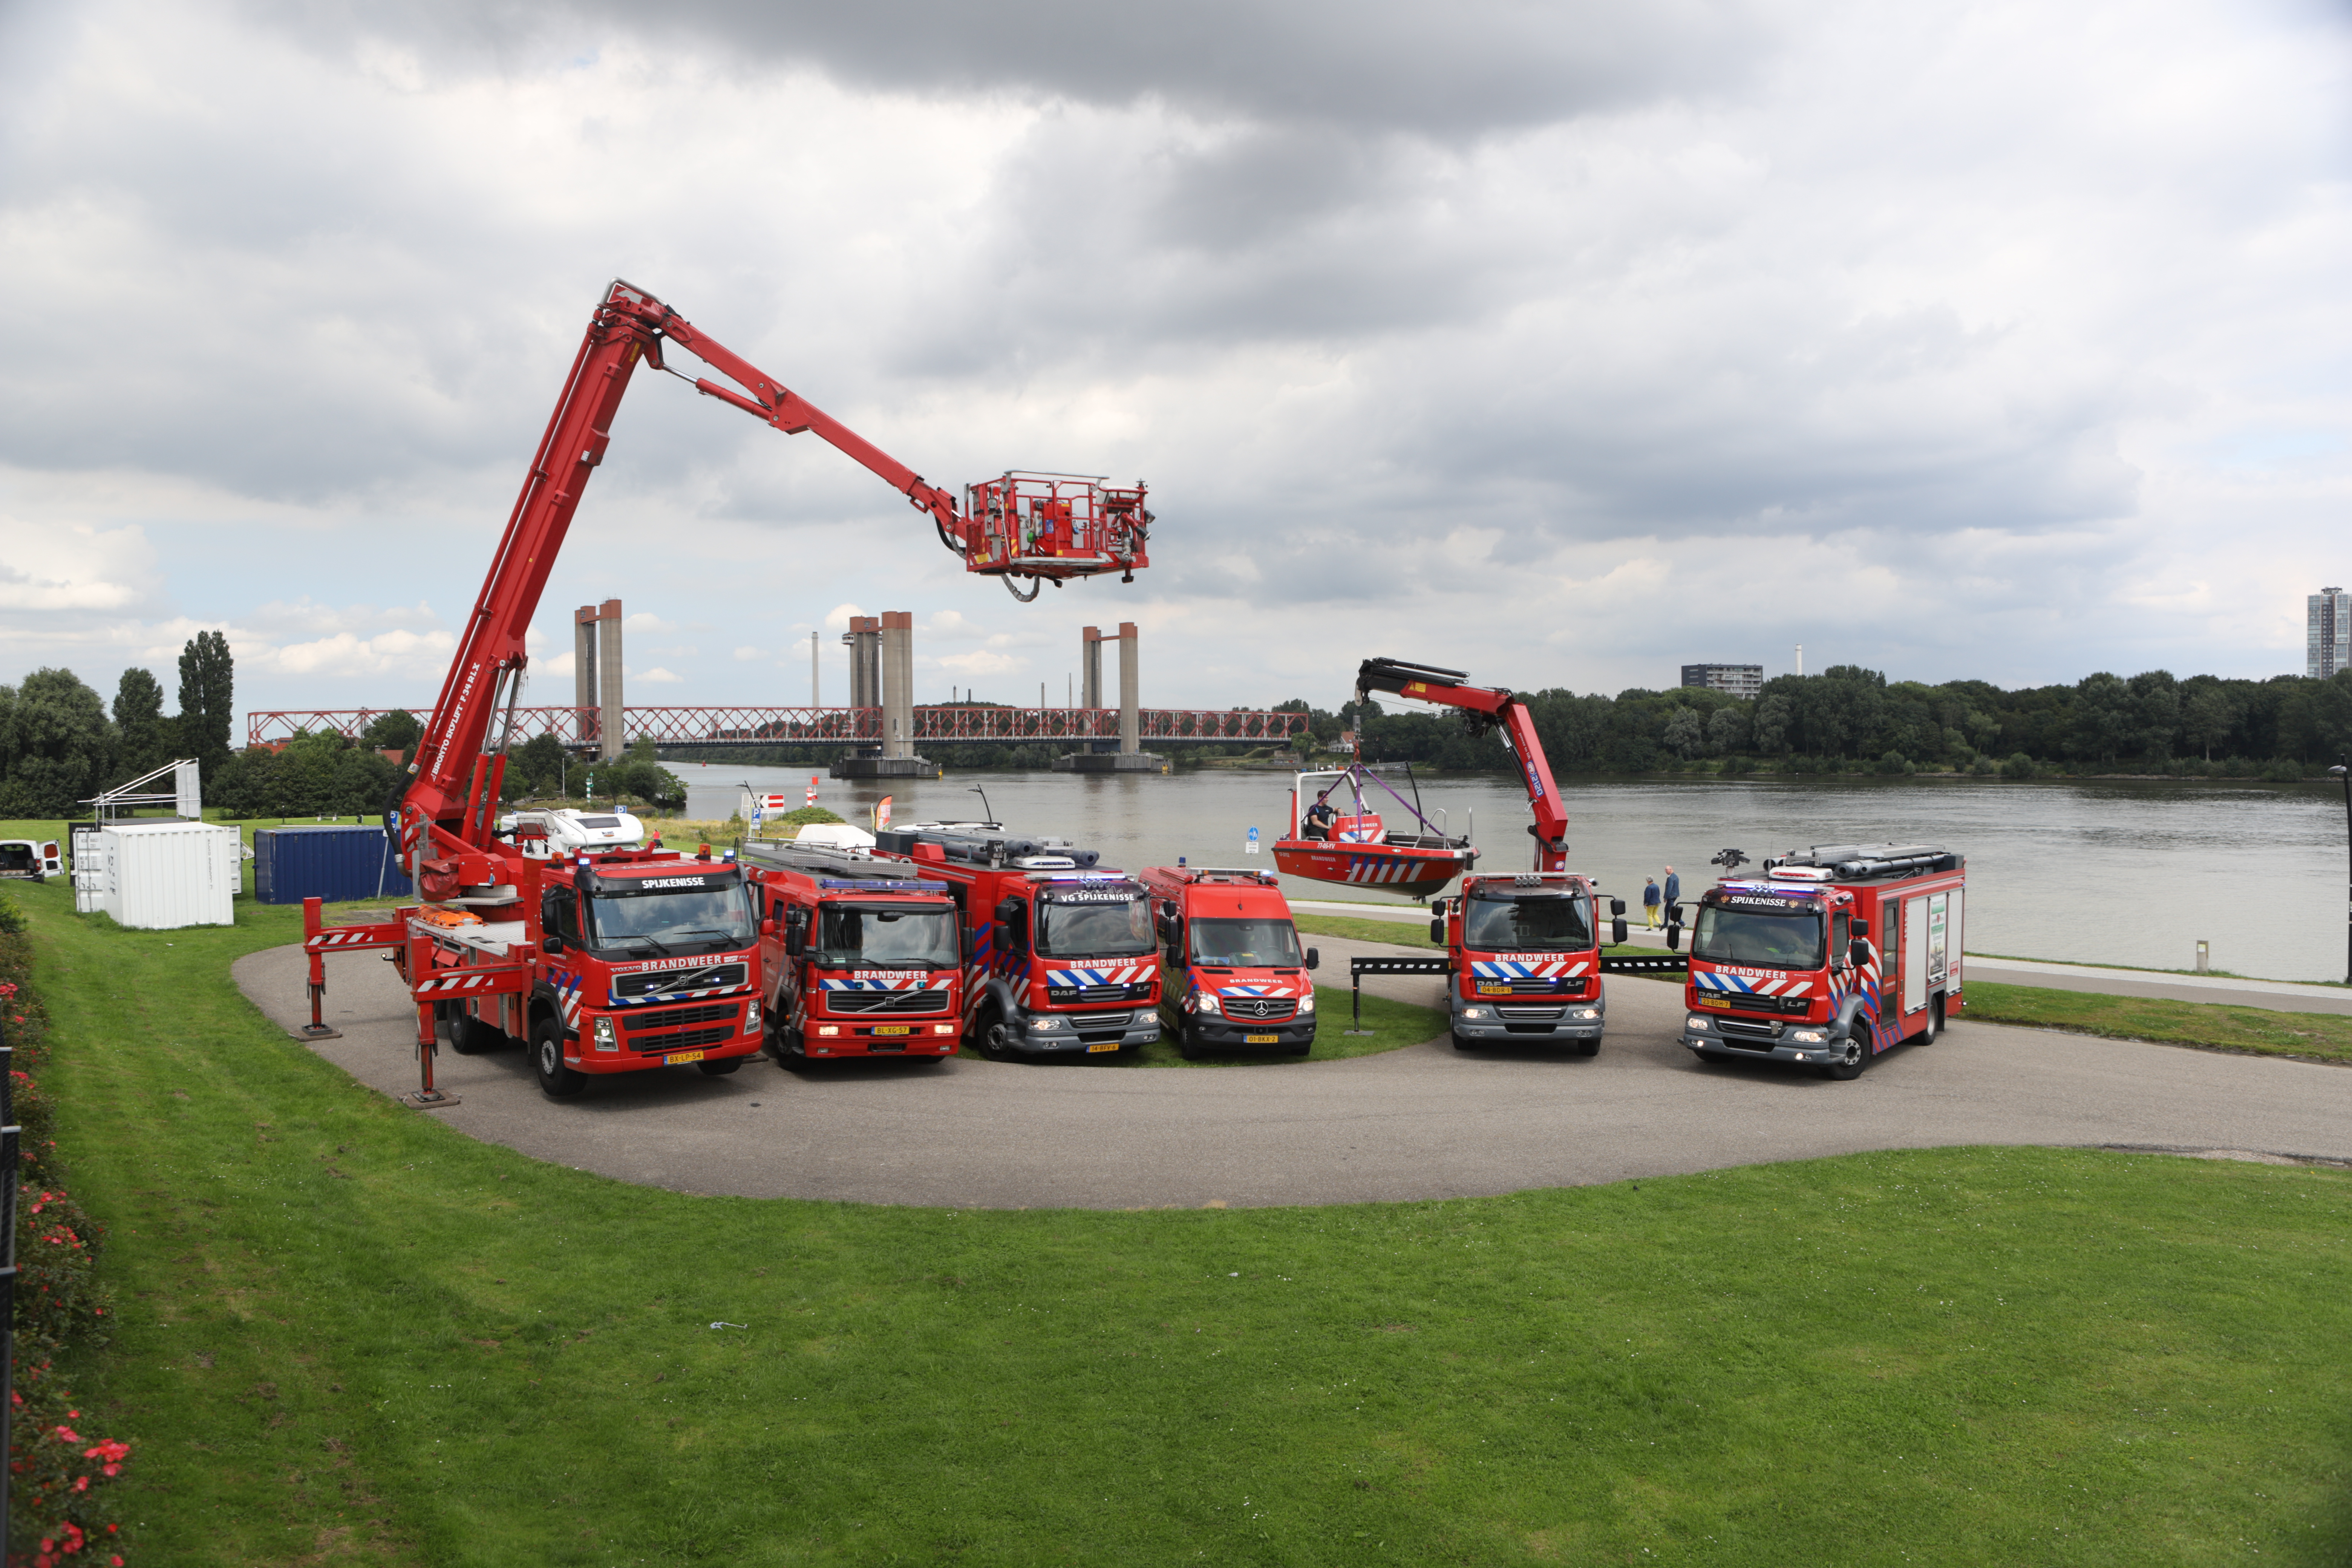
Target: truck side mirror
1314	958
1437	930
1674	936
769	929
1861	927
1617	907
1857	952
1008	910
795	939
1617	926
550	943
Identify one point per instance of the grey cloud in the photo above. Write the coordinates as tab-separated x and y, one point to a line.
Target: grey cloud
1464	68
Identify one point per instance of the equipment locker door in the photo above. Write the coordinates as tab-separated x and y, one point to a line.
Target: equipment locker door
1914	954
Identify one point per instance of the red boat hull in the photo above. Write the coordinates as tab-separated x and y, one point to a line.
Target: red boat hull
1390	867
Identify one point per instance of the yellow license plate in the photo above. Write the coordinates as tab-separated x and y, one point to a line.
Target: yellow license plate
679	1058
894	1028
1261	1039
1494	991
1102	1045
1713	1002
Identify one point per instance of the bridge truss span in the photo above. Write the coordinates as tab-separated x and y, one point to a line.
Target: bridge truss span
935	725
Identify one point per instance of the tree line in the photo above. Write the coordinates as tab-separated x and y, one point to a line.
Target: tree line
1852	719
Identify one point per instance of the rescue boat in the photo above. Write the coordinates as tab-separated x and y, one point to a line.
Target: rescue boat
1357	847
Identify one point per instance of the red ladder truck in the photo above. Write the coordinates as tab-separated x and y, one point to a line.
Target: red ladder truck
1523	949
657	956
1836	954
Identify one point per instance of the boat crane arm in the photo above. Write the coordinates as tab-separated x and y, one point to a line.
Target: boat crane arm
1499	709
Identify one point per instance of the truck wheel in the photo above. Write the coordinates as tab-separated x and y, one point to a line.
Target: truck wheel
556	1080
1853	1055
468	1036
1188	1041
1588	1048
720	1069
1935	1026
1302	1050
996	1037
1462	1045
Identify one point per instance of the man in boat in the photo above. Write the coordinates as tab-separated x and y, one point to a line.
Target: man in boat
1319	816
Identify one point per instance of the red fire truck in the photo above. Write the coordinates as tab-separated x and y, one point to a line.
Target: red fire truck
660	966
1525	955
1060	957
861	960
1835	954
1233	976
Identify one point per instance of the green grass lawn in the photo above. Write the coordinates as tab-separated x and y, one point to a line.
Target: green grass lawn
351	1334
2214	1026
1402	933
1389	1026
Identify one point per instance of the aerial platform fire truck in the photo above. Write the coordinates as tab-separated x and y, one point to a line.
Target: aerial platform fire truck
1523	949
1060	954
1233	977
862	957
658	965
1835	954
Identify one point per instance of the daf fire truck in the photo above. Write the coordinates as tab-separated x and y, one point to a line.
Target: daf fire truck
1060	955
1232	975
862	959
1835	954
1523	949
660	966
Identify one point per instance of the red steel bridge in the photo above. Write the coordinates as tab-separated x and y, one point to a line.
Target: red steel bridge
819	726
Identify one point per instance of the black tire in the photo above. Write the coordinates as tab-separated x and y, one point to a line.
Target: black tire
720	1069
1934	1024
995	1035
1588	1048
1853	1054
1462	1045
1305	1049
469	1037
555	1080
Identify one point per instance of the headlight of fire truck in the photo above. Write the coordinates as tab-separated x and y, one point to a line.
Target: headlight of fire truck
752	1018
1306	1003
1474	1012
1695	1021
1049	1023
606	1040
1808	1037
1584	1012
1207	1002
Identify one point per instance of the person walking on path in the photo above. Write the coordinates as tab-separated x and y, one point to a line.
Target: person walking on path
1650	900
1674	896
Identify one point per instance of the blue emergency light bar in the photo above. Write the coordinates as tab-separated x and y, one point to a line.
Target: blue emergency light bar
879	885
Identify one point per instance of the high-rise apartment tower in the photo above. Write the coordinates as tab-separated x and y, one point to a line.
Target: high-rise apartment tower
2327	643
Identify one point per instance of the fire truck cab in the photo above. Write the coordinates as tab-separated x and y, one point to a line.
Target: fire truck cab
1060	957
1232	974
1835	954
862	957
1525	961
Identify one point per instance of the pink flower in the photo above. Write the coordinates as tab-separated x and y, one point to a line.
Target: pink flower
81	1483
67	1433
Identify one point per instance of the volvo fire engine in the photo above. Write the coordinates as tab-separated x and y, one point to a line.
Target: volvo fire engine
1835	954
663	949
863	957
1234	977
1523	949
1060	956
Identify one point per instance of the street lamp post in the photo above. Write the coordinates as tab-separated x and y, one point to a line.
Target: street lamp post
2344	771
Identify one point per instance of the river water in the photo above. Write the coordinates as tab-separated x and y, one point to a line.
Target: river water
2093	873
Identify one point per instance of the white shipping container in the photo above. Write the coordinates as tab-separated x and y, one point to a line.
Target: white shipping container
160	875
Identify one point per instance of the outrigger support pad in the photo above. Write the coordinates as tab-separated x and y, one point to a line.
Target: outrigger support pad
430	1099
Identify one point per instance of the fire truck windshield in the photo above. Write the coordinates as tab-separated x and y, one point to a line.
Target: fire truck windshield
1246	944
669	920
870	936
1771	941
1539	925
1102	926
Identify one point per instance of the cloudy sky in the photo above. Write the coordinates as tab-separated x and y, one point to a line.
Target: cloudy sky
1563	344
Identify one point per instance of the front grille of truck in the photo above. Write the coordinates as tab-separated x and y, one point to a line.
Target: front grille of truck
681	1040
1137	992
840	1002
1266	1009
1094	1028
677	1017
1531	1013
707	979
1738	1031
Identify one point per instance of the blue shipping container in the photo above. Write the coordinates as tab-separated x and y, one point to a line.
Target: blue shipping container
329	861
